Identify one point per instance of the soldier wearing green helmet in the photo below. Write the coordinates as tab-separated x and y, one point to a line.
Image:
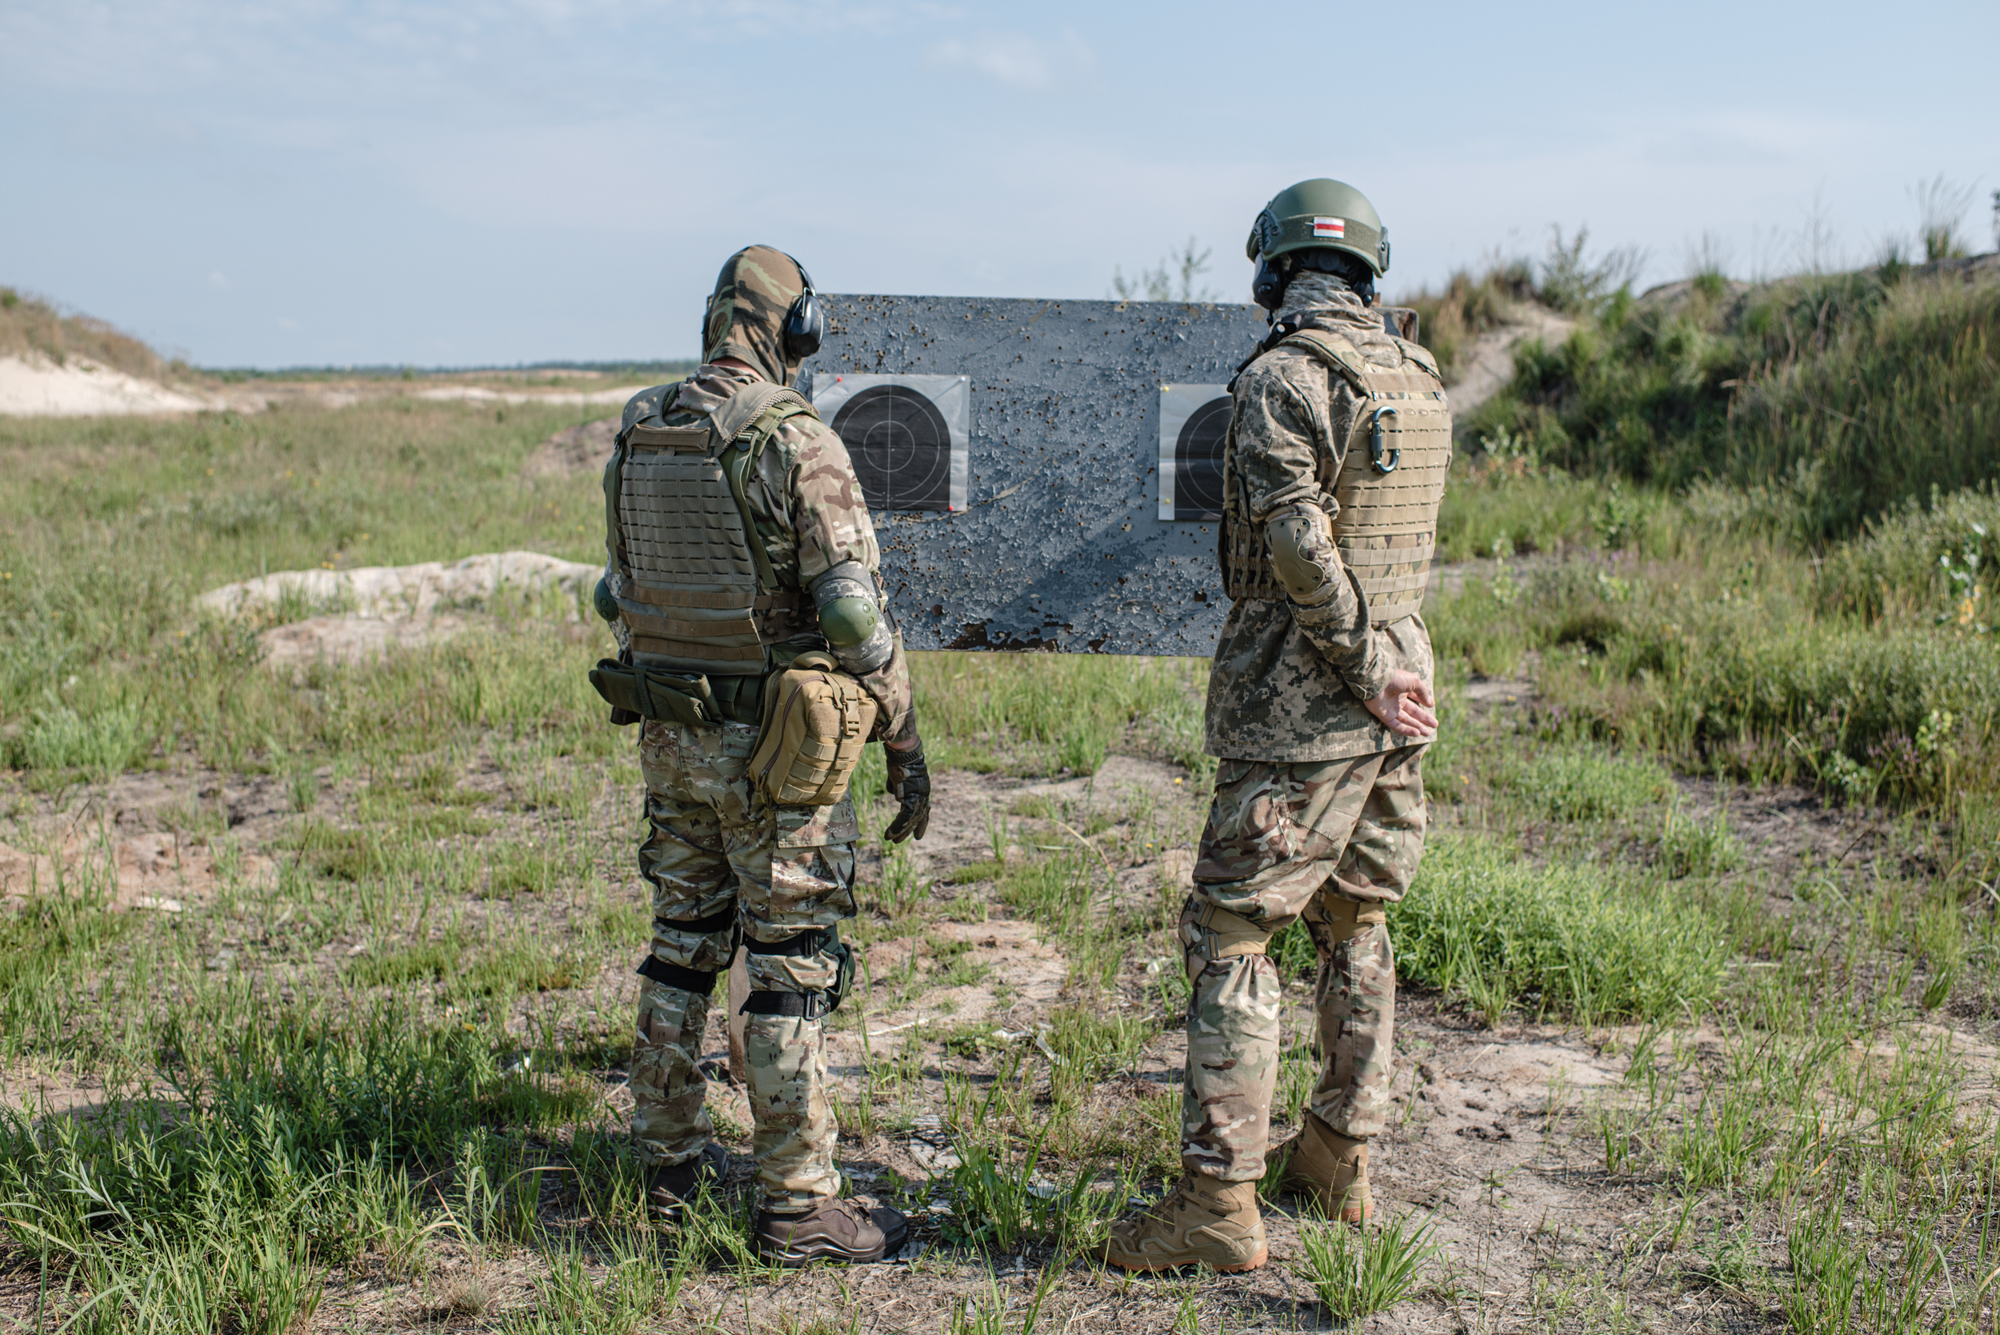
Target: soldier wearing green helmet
1319	712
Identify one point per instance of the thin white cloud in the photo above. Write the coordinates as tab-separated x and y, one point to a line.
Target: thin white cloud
1017	59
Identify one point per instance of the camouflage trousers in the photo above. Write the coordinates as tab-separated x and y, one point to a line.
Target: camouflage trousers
717	850
1331	842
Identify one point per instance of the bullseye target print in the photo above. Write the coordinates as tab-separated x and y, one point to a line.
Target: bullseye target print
907	435
1193	421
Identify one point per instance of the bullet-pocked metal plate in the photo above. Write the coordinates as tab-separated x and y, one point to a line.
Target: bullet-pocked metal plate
1061	545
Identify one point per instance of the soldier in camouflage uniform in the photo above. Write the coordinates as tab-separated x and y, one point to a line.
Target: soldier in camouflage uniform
1319	706
739	539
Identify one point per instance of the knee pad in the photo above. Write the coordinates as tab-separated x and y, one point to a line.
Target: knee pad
798	1005
1211	933
686	979
698	981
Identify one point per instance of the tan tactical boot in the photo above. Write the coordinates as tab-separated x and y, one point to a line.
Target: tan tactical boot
1202	1221
1330	1170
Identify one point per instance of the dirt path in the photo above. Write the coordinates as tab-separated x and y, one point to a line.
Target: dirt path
1489	363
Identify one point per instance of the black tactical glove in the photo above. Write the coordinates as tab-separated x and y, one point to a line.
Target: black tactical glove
910	784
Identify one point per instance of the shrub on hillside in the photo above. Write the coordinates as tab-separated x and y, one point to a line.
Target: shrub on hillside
1467	306
31	325
1843	395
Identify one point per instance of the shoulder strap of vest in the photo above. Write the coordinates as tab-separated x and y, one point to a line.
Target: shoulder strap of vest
1339	355
746	405
1421	355
743	446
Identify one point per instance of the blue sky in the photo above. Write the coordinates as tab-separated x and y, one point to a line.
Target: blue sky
279	184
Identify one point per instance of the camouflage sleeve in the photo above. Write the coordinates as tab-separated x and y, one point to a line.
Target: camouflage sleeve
829	519
1292	419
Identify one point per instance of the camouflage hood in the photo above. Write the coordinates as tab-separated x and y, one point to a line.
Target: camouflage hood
746	314
1315	300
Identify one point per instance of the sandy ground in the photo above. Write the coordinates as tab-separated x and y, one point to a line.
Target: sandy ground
1489	364
33	385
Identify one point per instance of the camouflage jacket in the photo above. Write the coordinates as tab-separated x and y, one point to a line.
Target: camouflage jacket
810	516
1280	690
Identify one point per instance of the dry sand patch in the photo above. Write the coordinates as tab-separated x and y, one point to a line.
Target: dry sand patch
36	386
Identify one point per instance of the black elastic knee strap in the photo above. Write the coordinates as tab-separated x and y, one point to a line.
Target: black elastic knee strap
798	1005
809	942
673	975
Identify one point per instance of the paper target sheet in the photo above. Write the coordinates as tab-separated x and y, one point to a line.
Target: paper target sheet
1193	421
908	435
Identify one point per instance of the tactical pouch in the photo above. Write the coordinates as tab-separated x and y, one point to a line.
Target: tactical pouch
805	1005
816	720
636	692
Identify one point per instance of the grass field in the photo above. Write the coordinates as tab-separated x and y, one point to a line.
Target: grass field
315	988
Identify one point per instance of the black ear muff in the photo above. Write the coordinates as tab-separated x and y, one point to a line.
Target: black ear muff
805	325
1267	288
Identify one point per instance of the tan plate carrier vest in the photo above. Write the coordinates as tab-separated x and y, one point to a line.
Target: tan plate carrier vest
1387	526
698	585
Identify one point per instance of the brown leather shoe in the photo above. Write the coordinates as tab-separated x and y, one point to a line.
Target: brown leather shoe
670	1187
833	1230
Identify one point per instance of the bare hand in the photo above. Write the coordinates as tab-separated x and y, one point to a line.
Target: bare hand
1406	706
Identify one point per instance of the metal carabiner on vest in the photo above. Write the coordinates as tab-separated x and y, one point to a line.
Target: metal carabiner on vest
1376	440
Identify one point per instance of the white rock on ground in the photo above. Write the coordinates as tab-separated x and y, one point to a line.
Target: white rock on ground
35	386
388	608
573	397
404	591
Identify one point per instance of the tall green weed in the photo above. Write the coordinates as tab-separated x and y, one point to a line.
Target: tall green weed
1569	939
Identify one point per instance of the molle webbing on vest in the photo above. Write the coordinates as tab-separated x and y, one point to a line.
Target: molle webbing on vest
1387	526
696	577
1246	561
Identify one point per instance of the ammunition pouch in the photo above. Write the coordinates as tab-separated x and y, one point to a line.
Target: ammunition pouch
637	692
804	1005
816	720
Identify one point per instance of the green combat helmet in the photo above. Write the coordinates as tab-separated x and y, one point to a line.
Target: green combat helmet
1324	215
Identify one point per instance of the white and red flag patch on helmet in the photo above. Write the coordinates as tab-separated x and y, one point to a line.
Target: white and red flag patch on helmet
1333	227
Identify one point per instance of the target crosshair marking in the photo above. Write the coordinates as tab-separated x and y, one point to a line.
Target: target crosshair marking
901	448
1198	461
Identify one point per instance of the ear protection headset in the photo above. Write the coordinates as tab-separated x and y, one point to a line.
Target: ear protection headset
805	324
1267	286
